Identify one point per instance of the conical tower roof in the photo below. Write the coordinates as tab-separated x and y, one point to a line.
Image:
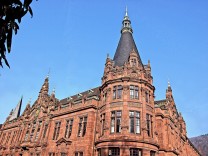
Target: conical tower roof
16	112
126	43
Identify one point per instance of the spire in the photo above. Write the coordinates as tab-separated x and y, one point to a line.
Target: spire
45	87
169	89
126	23
16	112
126	43
126	11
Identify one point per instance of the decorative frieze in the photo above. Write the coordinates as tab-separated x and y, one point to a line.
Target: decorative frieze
134	104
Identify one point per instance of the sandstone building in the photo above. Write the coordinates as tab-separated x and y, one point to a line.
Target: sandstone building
118	118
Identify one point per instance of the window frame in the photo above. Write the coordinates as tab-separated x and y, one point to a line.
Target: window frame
116	120
102	121
135	152
69	126
82	128
117	92
134	92
56	130
135	117
149	125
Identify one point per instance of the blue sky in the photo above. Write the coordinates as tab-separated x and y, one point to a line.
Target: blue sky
72	39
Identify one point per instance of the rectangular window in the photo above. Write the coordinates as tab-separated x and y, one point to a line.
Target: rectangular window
152	153
102	123
78	153
99	151
69	124
56	130
114	92
147	96
134	92
82	126
134	122
135	152
45	130
149	124
117	92
115	151
116	121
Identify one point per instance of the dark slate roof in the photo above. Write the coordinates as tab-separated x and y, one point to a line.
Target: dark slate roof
87	94
125	46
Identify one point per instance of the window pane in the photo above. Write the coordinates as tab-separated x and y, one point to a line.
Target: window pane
118	113
114	151
137	126
137	114
118	125
114	92
131	113
112	125
131	125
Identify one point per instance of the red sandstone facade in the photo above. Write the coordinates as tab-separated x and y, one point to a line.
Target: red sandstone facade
118	118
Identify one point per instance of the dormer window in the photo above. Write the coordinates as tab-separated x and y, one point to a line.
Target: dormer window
69	98
79	95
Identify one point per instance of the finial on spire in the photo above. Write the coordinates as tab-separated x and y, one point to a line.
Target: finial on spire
126	14
168	83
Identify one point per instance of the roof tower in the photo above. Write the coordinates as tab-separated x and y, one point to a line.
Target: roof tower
126	43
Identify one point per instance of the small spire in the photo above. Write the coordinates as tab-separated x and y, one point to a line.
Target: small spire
169	87
126	23
45	87
168	83
126	14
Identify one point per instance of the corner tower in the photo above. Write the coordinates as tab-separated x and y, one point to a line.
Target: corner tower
126	109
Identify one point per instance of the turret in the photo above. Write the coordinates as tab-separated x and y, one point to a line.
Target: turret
127	96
